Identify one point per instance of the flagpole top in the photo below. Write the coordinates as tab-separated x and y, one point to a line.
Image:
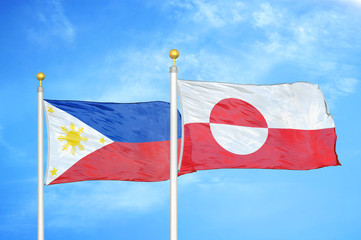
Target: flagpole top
40	76
173	54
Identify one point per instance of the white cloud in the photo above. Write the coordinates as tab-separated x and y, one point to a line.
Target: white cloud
348	85
208	66
306	41
311	42
338	87
214	14
132	76
353	2
52	23
283	37
217	15
268	16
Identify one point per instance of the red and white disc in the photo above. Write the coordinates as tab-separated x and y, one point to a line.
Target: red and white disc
237	126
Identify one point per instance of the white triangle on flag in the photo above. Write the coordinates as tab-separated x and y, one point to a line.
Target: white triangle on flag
69	140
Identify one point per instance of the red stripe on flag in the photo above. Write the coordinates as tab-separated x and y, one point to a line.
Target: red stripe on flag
144	162
283	149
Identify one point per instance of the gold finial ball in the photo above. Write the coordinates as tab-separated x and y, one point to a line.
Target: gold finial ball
173	53
40	76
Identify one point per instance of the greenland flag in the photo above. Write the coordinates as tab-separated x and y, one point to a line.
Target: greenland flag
283	126
107	141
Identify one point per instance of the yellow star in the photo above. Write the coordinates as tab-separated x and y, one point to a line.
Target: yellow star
102	140
50	109
53	172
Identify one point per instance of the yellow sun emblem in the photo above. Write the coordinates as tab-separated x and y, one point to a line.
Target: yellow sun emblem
72	138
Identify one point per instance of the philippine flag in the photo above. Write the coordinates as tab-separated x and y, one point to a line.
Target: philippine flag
107	141
284	126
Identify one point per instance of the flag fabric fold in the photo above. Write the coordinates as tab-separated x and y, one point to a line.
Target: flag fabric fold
283	126
107	141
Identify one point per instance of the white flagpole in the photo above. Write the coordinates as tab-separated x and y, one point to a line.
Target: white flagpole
173	148
40	76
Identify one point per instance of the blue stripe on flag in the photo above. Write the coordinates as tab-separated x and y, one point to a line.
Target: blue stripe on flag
124	122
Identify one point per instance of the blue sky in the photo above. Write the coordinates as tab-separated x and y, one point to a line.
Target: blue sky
118	51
